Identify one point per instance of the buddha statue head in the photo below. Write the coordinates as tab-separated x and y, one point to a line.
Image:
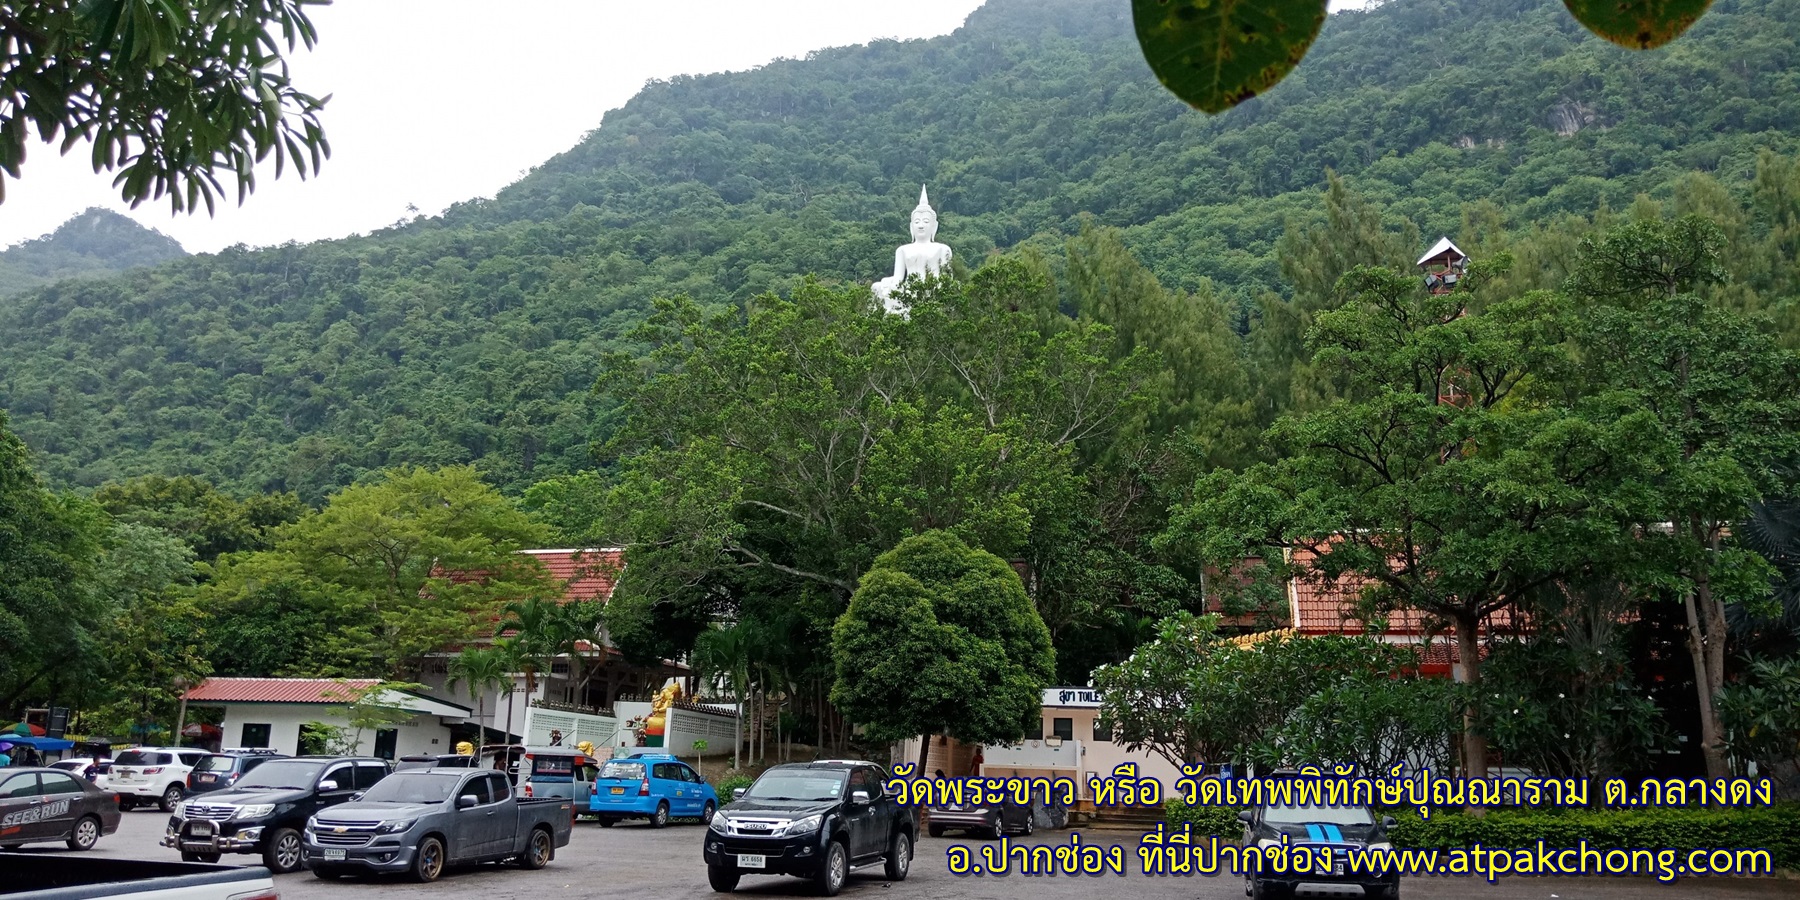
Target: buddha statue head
924	219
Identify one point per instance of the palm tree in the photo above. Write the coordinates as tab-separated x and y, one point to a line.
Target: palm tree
724	651
535	625
485	669
1773	531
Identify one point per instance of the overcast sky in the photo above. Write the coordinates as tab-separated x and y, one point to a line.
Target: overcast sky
436	101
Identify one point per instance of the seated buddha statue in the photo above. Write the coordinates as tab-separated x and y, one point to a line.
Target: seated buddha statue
924	257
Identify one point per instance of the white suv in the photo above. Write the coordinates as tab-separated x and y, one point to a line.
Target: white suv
156	774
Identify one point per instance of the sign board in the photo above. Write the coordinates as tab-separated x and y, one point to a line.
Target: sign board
1085	698
59	722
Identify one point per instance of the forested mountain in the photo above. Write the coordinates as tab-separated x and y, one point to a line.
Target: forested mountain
476	336
95	242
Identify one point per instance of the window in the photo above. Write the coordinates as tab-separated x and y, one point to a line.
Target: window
142	758
1034	730
867	781
19	786
191	758
341	775
59	783
1063	728
662	770
498	788
477	788
369	773
256	736
1101	732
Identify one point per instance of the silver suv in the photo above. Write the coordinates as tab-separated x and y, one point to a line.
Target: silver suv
157	775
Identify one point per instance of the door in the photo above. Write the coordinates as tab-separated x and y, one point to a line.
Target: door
667	783
696	791
343	779
469	838
865	836
62	805
387	743
20	809
500	817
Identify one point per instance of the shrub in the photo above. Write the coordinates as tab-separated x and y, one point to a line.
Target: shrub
1775	829
1219	820
732	783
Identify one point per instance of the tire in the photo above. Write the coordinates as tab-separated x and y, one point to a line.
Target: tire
281	851
834	872
428	862
660	819
171	795
899	856
85	834
606	822
935	830
538	850
707	813
724	879
127	804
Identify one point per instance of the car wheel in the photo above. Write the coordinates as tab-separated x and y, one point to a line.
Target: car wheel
935	830
661	818
538	850
281	850
724	879
707	813
127	804
86	834
835	871
606	822
428	862
208	858
171	795
899	856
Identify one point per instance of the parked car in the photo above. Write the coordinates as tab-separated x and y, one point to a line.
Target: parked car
218	771
153	774
421	820
267	809
561	773
38	805
653	786
440	761
813	820
1338	828
989	820
39	876
93	770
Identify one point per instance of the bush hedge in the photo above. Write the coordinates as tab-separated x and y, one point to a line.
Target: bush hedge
1776	829
732	783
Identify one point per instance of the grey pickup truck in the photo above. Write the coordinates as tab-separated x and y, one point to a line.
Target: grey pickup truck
420	821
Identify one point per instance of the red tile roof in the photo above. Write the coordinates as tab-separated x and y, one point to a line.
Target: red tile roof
584	574
1320	606
278	690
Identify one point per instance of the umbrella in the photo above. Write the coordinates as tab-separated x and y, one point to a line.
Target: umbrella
4	746
20	728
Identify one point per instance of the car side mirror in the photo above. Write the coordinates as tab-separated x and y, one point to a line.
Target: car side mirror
860	798
1246	817
328	785
737	793
1388	822
465	801
358	795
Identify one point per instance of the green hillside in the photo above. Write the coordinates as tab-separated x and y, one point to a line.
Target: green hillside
476	336
95	242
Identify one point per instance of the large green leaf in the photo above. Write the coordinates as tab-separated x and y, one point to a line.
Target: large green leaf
1215	54
1638	24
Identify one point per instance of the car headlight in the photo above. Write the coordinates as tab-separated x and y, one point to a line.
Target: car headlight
807	825
180	811
718	824
256	811
1268	842
395	827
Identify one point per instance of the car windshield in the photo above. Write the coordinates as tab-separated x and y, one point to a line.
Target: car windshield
214	764
413	787
1317	815
813	784
140	758
295	774
627	770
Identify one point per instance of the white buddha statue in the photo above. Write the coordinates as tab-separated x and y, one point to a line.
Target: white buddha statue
923	257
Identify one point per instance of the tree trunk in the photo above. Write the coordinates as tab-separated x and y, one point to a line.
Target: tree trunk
924	755
1705	645
1468	653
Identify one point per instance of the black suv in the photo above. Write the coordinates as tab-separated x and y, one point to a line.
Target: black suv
222	770
814	820
265	811
1337	829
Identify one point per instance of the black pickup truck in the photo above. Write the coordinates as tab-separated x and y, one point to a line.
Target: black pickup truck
265	810
814	820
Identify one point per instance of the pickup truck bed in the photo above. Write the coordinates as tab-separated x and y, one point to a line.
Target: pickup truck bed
27	876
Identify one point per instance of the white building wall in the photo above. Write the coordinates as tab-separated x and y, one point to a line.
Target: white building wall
419	735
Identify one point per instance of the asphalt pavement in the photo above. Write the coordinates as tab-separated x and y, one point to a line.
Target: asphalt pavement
640	863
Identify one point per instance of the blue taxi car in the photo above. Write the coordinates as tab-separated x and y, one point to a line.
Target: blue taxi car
653	786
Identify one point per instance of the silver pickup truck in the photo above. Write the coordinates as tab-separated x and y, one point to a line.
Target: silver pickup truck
421	821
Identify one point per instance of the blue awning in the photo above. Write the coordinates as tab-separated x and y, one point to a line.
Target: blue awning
41	743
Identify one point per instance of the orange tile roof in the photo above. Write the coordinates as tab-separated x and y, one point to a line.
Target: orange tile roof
278	690
584	574
1321	606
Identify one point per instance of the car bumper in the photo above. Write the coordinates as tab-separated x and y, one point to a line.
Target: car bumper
627	807
963	818
801	856
141	789
226	837
387	853
1362	880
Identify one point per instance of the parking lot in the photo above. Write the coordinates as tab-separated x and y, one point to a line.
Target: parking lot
637	862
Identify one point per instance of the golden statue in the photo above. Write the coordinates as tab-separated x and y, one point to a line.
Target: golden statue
586	747
464	748
659	715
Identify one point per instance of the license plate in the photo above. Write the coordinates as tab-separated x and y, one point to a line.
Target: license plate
618	790
334	855
752	861
1338	870
201	830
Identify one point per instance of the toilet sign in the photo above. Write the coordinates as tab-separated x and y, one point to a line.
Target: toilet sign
1072	697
